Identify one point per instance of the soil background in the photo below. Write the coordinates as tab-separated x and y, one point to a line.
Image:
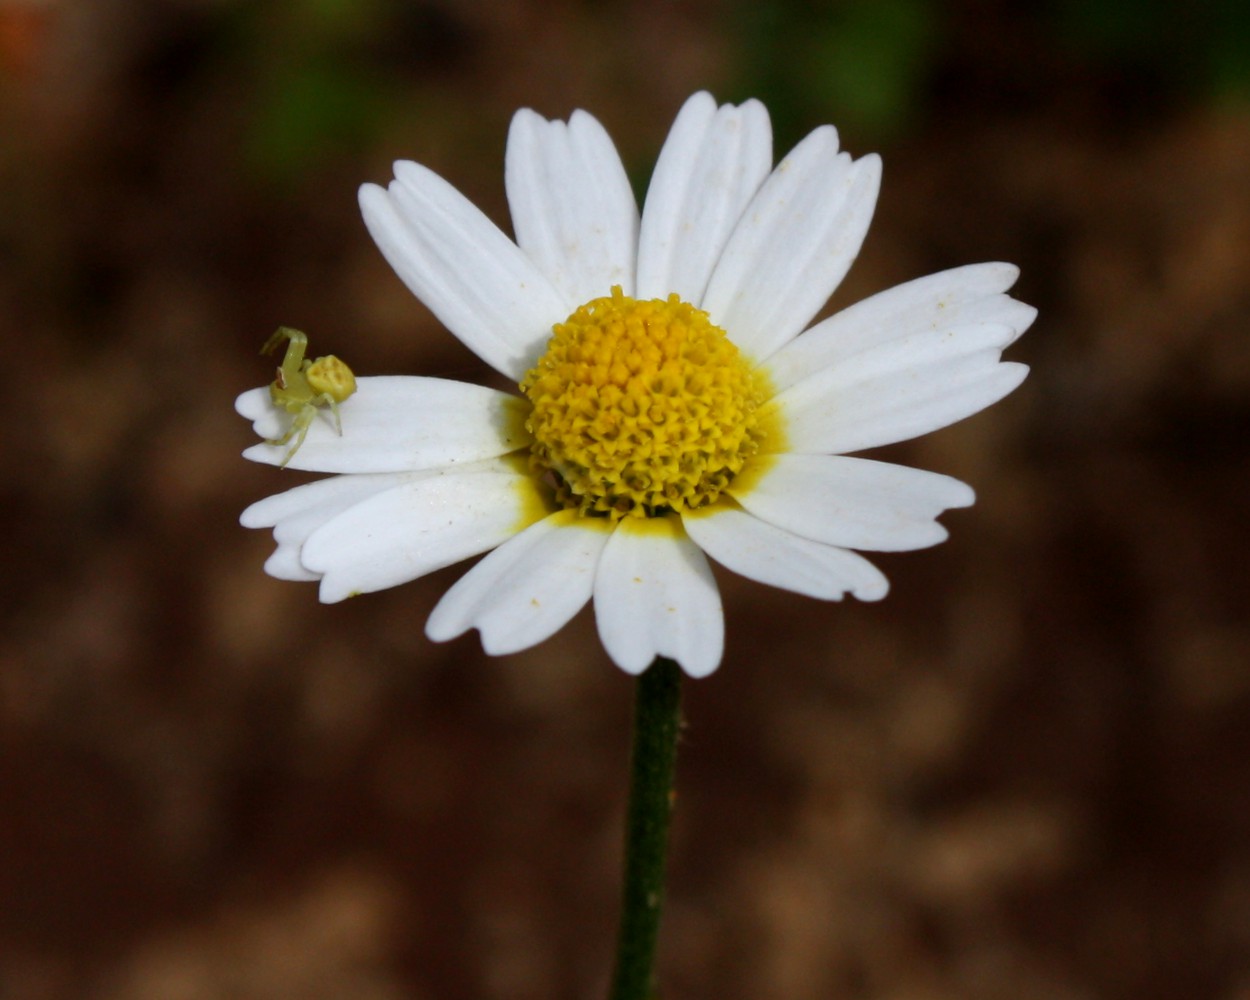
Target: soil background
1024	775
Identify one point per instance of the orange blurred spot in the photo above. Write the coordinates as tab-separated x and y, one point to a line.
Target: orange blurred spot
23	37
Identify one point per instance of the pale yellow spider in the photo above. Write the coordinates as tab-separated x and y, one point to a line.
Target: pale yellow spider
301	386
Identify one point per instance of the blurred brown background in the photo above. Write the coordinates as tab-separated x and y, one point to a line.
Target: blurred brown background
1023	775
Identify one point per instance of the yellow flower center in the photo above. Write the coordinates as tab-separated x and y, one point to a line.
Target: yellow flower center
641	408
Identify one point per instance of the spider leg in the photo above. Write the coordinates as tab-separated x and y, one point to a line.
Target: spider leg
325	397
299	430
293	360
299	425
290	433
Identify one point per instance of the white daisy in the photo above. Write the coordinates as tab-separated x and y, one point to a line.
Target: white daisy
673	403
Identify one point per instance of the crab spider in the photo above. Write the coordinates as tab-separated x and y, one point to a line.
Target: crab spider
301	386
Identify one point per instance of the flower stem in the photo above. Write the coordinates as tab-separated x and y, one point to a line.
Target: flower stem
657	718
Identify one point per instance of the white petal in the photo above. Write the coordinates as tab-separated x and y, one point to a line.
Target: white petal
963	296
273	510
297	513
761	551
795	243
257	406
392	424
283	564
712	163
655	596
527	589
573	210
418	527
898	390
467	272
851	502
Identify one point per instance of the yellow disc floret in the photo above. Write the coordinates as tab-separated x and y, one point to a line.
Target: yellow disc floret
641	408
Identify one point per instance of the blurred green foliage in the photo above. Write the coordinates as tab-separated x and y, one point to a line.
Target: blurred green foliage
317	85
873	65
326	78
1201	47
862	63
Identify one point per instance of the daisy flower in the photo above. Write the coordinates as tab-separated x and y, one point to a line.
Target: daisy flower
673	402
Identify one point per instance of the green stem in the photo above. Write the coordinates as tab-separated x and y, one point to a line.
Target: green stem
657	718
